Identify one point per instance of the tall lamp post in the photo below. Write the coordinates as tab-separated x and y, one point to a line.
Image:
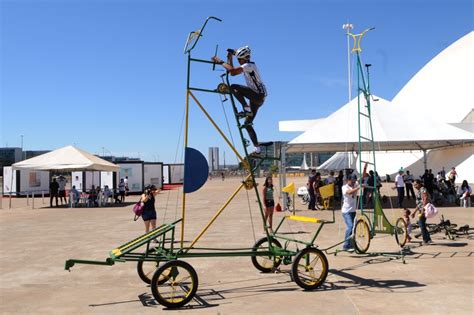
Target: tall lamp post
348	27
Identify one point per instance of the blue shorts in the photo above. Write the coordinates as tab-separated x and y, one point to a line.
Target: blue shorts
149	215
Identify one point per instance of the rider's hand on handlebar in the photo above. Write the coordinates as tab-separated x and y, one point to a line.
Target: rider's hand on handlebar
216	59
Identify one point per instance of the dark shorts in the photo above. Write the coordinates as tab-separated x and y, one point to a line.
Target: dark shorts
62	193
270	203
149	215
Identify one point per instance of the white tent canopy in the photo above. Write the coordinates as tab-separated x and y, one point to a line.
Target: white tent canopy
392	130
443	89
68	158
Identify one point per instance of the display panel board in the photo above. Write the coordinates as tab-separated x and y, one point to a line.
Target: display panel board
134	171
153	174
28	181
176	172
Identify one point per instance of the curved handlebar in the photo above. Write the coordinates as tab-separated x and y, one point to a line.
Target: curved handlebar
198	33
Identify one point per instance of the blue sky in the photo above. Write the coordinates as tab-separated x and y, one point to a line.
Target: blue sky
111	75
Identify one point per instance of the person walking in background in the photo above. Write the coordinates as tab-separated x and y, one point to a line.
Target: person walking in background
125	181
400	186
310	186
149	211
62	189
53	192
349	204
268	201
121	188
409	185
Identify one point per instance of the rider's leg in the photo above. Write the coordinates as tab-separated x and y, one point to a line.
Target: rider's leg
241	92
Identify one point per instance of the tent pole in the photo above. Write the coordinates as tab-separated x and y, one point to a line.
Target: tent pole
11	185
425	159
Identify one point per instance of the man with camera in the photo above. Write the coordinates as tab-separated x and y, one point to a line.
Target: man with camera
255	90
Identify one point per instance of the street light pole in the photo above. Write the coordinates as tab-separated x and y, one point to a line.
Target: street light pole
348	27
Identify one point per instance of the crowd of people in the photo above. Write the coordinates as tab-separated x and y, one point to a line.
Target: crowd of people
425	190
96	196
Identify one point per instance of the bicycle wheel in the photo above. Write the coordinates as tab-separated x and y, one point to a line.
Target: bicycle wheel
361	236
310	268
146	269
401	232
266	263
179	288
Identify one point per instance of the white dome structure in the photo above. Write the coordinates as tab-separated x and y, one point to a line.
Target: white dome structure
443	89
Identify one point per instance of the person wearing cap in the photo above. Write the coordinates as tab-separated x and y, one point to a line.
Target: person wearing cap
349	205
255	91
400	186
149	211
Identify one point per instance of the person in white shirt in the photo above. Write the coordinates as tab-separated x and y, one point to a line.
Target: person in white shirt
349	205
62	181
400	186
255	91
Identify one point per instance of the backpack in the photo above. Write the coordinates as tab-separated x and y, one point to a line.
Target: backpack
430	210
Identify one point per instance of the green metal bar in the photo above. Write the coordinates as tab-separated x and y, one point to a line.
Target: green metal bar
71	262
202	60
292	240
203	90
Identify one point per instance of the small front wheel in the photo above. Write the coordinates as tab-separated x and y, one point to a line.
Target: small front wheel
401	232
179	287
266	263
310	268
361	236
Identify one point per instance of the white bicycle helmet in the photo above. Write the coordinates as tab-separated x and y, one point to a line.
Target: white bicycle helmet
243	52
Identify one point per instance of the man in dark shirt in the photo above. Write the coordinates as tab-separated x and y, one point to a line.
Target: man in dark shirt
53	192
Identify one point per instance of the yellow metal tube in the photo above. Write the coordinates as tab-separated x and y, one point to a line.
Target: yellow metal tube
217	127
186	126
215	216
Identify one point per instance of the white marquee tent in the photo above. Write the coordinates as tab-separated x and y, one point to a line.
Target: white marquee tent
68	158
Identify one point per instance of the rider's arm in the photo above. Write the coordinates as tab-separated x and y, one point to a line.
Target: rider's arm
264	194
229	67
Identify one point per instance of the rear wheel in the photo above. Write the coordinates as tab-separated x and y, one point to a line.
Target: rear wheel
401	232
266	263
310	268
361	236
